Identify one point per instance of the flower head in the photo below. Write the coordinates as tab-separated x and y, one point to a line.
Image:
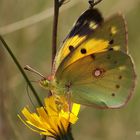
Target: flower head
53	119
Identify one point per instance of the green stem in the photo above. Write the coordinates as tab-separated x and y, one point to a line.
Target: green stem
21	70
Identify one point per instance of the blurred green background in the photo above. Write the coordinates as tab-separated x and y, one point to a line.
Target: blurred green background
27	27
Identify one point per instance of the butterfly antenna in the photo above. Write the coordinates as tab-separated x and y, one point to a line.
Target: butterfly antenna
93	3
27	67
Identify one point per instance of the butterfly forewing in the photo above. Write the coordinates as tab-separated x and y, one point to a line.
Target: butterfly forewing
105	79
110	35
115	31
81	30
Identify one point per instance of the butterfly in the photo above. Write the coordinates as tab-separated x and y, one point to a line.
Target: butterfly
93	65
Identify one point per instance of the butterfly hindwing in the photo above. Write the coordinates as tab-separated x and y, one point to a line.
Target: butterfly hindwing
105	79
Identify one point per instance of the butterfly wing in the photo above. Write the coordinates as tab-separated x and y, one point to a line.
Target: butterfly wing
79	33
111	34
105	80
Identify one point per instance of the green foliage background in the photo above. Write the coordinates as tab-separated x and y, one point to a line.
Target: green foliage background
32	46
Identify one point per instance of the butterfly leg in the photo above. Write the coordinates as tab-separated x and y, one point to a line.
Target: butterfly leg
68	97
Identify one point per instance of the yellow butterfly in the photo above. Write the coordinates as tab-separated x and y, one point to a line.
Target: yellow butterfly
93	64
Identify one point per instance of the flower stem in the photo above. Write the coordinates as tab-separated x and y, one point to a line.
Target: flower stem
21	70
67	136
55	26
57	5
54	33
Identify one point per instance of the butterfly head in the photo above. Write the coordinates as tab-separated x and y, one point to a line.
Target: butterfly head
46	82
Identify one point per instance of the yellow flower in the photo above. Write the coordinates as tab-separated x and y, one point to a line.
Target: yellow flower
53	119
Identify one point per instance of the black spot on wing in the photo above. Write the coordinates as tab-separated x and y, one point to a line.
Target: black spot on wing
120	77
83	51
113	94
117	86
71	48
111	41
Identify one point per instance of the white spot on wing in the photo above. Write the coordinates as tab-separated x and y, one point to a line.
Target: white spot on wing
93	25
